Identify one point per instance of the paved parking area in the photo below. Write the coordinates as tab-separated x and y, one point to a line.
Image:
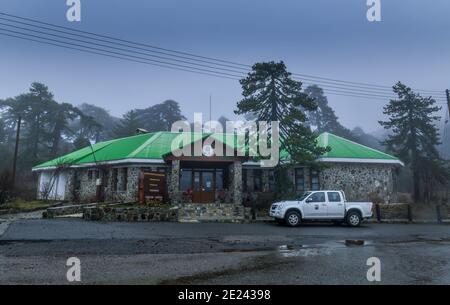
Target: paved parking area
34	251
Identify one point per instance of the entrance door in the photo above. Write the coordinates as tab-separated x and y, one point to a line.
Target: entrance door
316	206
203	187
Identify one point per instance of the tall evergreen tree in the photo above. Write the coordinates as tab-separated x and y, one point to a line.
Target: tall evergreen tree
128	125
270	94
324	117
160	116
414	137
61	115
96	124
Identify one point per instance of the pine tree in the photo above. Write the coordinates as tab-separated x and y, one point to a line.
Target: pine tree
161	116
128	125
270	94
415	138
324	118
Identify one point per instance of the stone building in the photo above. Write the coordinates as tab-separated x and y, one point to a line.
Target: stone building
144	168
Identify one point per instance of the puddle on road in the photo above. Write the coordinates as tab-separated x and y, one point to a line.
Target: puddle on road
301	250
325	248
354	242
231	250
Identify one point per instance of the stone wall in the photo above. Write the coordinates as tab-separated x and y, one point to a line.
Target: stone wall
370	182
105	213
235	174
173	183
66	210
124	193
214	212
367	182
79	184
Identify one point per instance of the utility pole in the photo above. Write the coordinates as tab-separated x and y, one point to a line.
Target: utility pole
16	150
447	93
210	112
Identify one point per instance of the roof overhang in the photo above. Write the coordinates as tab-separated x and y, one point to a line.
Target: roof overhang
361	160
113	162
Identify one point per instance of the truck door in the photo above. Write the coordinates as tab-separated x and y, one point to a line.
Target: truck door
316	205
336	207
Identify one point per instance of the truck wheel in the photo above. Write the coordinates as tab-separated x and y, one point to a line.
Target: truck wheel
353	219
292	218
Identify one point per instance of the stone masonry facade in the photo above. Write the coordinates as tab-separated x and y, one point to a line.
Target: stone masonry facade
374	182
82	183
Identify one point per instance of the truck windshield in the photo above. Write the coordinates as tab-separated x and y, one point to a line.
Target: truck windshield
306	194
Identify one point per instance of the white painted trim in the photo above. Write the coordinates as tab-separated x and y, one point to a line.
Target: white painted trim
248	163
92	164
361	160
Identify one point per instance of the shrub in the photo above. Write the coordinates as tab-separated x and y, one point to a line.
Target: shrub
5	185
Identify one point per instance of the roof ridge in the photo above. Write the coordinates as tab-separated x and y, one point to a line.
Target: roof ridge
365	146
143	145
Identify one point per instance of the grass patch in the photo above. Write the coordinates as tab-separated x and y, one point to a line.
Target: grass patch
20	205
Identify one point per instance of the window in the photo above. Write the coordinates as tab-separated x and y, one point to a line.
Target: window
124	178
93	174
206	179
300	179
219	179
115	179
186	179
244	180
271	180
334	197
315	180
317	197
257	180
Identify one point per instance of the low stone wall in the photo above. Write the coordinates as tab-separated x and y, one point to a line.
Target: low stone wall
214	212
66	210
108	213
403	212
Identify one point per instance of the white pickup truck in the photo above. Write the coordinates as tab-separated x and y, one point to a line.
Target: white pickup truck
323	206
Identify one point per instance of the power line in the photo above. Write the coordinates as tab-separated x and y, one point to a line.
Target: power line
120	54
146	61
113	43
331	80
128	41
115	48
113	56
332	86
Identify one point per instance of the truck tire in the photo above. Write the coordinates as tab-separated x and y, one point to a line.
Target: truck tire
353	219
292	218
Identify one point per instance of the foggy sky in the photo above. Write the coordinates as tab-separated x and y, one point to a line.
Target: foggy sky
326	38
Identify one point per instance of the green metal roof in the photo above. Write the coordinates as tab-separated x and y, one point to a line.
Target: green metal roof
154	146
342	149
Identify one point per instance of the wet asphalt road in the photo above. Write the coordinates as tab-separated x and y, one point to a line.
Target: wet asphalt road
35	252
